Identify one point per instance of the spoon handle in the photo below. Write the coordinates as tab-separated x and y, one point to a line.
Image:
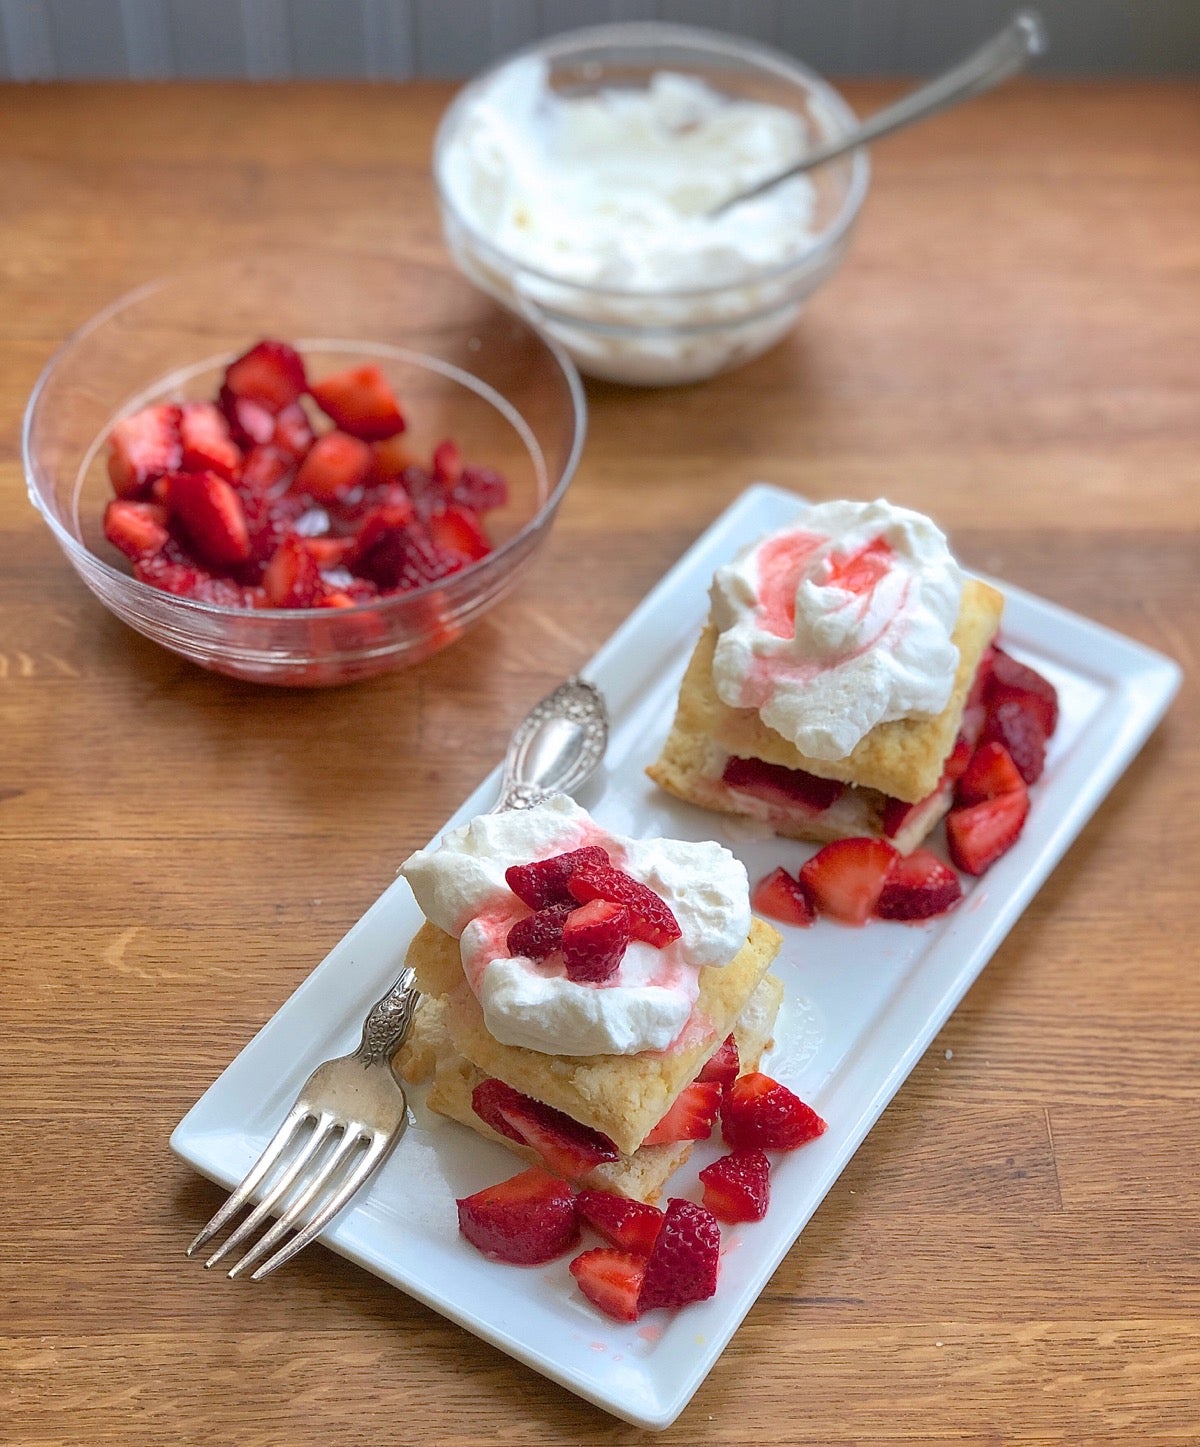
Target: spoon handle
998	58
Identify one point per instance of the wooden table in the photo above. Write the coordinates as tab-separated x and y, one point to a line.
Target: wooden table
1012	1255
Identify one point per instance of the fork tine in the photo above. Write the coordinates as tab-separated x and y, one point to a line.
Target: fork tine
278	1191
377	1150
271	1153
287	1222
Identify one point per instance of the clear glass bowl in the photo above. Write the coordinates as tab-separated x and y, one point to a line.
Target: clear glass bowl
666	336
462	367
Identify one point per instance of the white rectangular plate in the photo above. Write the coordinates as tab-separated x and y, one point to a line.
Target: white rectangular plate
861	1005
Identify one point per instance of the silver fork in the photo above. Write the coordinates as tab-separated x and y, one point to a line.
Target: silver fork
355	1103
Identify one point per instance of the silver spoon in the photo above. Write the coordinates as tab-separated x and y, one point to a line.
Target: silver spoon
999	58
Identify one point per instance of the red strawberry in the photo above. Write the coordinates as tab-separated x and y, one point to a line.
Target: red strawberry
568	1148
650	917
293	434
544	882
778	784
397	555
628	1225
271	373
525	1220
292	578
489	1098
250	422
990	772
269	520
1009	679
334	465
447	462
137	528
427	493
738	1186
142	448
781	897
538	934
723	1065
392	456
458	532
759	1112
360	401
480	489
1017	724
845	877
978	834
176	575
691	1116
960	757
211	514
594	940
611	1281
207	445
684	1261
918	886
263	467
329	552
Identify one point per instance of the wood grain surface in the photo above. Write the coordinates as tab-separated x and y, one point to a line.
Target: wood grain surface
1012	1256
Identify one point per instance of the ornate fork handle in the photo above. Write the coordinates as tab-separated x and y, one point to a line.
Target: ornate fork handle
388	1021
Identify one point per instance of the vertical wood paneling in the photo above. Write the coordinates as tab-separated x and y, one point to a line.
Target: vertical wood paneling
327	38
513	24
268	49
147	33
88	36
757	19
388	39
29	40
208	39
453	37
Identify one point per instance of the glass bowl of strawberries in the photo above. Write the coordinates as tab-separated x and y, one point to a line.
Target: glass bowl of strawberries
303	468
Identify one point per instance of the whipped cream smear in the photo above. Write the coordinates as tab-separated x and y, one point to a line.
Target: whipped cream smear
461	889
837	623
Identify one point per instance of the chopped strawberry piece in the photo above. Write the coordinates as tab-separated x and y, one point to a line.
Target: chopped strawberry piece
207	445
335	464
544	882
628	1225
269	520
392	456
329	552
487	1100
978	834
594	940
250	423
759	1112
690	1117
960	757
458	532
777	784
143	447
271	373
292	578
263	467
1017	724
780	896
211	514
568	1148
683	1263
293	434
990	772
185	580
845	878
611	1280
427	493
526	1220
361	402
395	552
1010	680
137	528
447	463
480	489
737	1187
918	886
650	917
538	934
723	1065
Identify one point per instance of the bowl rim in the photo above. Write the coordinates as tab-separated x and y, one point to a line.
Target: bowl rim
77	551
654	32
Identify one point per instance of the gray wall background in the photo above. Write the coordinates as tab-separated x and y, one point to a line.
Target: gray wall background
396	39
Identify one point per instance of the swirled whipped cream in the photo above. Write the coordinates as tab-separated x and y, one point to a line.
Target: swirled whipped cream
461	889
841	621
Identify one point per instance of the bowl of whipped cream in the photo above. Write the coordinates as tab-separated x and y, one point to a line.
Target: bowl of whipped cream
578	179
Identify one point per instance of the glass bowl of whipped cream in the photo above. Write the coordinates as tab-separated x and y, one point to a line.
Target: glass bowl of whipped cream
577	181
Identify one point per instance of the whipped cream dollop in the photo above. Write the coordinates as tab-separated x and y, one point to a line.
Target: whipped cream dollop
841	621
460	887
612	189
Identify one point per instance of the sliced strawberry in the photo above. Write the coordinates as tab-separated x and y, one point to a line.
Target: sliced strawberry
185	580
292	578
650	917
777	784
1010	680
427	493
271	373
263	468
250	423
1017	724
459	533
918	886
568	1148
990	772
447	463
978	834
480	489
780	896
487	1101
269	520
392	456
737	1187
723	1065
628	1225
544	882
207	445
690	1117
960	757
143	447
759	1112
335	464
525	1220
845	877
538	934
293	434
361	402
211	514
594	940
329	552
396	554
685	1259
611	1280
137	528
